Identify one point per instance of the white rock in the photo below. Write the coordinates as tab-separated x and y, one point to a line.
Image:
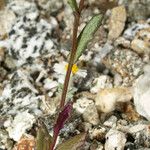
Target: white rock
142	93
19	125
101	82
49	84
115	140
25	76
107	98
21	7
19	94
111	122
137	128
91	115
131	32
81	104
31	41
102	52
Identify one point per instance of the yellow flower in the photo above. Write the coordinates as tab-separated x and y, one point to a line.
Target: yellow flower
74	68
61	69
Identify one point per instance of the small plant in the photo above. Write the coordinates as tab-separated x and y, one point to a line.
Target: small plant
79	44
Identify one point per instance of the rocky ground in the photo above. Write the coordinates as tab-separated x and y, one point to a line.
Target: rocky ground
111	90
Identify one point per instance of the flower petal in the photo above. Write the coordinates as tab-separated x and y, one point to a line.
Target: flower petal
60	68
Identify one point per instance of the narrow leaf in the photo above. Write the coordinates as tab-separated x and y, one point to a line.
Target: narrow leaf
44	140
73	5
87	34
73	143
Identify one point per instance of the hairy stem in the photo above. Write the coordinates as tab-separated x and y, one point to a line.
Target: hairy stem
73	53
71	62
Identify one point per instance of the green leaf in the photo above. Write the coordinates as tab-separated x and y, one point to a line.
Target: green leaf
43	140
73	143
87	34
73	5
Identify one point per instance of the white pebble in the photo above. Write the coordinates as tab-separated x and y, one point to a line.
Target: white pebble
19	125
81	104
100	83
115	140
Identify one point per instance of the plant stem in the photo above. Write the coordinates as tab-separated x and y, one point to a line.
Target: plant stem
73	53
53	143
71	62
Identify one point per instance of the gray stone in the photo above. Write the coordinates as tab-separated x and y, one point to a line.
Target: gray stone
137	9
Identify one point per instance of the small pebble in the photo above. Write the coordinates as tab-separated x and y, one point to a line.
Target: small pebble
111	122
137	128
81	104
97	133
115	140
101	82
117	21
141	43
107	98
121	41
91	115
130	33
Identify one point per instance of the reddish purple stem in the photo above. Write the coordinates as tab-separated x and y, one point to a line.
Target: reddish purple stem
62	118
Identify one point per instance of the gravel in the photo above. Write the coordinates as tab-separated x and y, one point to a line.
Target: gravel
110	91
